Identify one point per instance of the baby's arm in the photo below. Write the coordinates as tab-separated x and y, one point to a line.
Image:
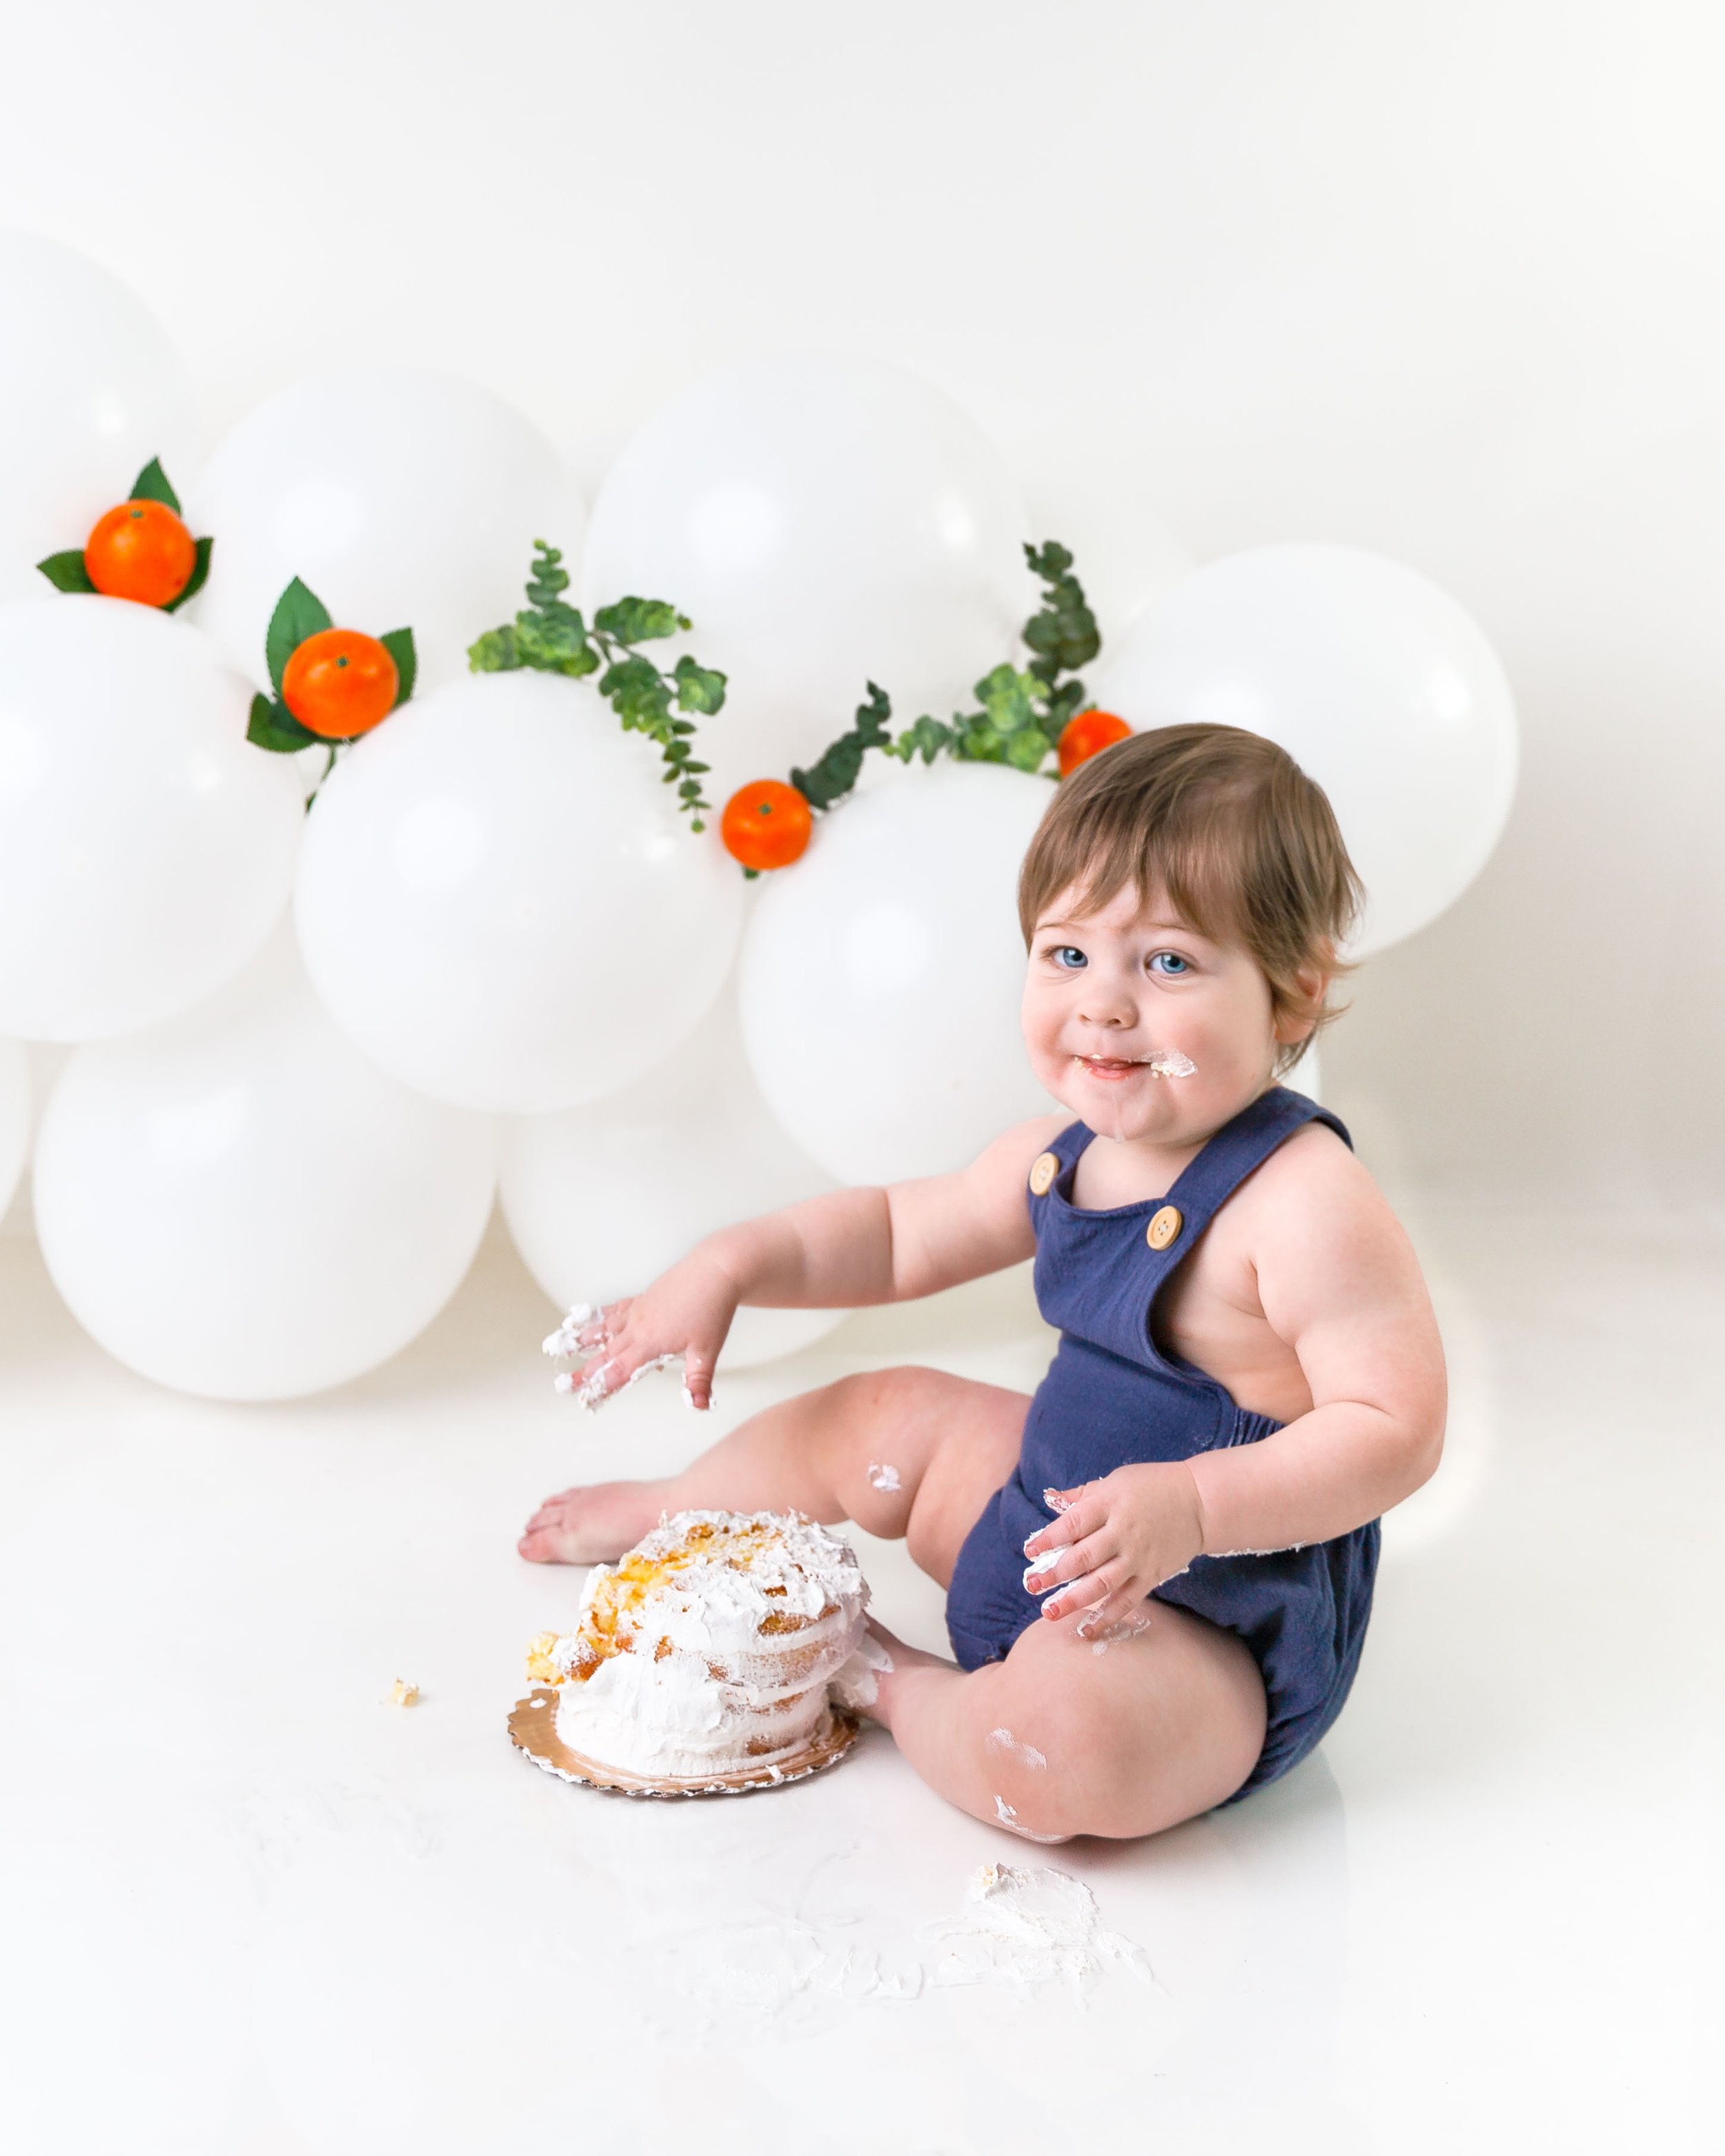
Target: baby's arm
1339	1281
835	1252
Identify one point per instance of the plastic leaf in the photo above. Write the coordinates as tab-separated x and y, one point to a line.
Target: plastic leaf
66	572
547	579
639	621
840	763
198	579
927	738
152	485
399	644
1027	751
699	688
638	694
299	613
495	652
1063	633
1006	697
273	726
554	639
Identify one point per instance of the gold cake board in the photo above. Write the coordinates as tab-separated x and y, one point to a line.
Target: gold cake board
532	1729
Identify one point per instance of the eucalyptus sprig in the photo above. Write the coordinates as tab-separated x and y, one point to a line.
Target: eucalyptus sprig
836	769
1023	712
551	637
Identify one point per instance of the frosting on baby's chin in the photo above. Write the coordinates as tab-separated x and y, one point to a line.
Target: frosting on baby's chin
1171	1064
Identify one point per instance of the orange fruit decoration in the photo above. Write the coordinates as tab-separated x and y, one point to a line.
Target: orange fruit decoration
1087	735
141	551
339	683
766	825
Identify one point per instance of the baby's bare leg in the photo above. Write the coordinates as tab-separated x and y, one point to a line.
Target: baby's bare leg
1059	1740
908	1452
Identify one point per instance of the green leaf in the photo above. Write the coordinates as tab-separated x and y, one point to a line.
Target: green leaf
699	688
840	765
1050	562
198	579
553	639
638	693
66	572
639	621
925	738
1064	705
273	726
399	644
1027	751
1007	697
1063	633
498	651
299	613
152	485
547	579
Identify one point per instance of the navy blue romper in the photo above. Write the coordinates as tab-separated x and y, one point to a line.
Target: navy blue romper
1112	1396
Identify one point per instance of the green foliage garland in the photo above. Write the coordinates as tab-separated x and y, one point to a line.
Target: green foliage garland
553	637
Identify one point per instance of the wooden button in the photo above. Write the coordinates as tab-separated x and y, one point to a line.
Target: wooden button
1046	1167
1165	1224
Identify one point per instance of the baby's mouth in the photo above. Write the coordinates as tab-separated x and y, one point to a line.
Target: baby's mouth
1110	1066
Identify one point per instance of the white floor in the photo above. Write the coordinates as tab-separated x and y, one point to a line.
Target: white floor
248	1908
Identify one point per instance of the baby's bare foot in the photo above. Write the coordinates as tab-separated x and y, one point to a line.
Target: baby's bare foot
903	1659
592	1524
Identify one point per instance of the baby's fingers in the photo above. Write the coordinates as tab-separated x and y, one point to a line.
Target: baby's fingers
698	1363
1081	1595
594	1384
1055	1567
1081	1513
1122	1615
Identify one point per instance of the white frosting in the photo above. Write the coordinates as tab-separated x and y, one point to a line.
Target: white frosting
1171	1064
692	1686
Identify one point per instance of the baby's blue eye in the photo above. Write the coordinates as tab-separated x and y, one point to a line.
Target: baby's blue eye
1170	964
1069	956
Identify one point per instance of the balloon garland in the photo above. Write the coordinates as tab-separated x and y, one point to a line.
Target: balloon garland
494	910
1027	715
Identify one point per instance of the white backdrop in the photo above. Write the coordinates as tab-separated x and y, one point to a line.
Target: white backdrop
1440	281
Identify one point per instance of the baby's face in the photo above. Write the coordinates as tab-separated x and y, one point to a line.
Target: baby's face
1111	996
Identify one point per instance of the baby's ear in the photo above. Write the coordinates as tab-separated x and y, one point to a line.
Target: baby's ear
1297	1015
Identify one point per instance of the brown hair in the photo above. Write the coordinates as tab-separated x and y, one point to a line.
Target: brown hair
1245	844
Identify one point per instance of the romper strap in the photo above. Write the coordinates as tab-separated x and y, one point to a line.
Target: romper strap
1206	1183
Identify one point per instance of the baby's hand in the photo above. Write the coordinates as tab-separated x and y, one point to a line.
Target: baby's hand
1115	1540
685	1316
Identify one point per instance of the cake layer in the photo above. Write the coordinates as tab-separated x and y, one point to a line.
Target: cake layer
708	1647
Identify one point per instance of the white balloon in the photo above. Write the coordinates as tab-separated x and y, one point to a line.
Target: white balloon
146	848
14	1117
881	976
823	522
405	498
90	390
499	903
237	1204
1372	678
602	1200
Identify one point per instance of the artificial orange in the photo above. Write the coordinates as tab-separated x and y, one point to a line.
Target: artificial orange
1088	735
766	825
141	551
340	683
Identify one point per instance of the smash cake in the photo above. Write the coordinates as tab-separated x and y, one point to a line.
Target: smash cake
717	1645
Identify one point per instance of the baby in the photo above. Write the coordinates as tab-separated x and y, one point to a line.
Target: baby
1159	1569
